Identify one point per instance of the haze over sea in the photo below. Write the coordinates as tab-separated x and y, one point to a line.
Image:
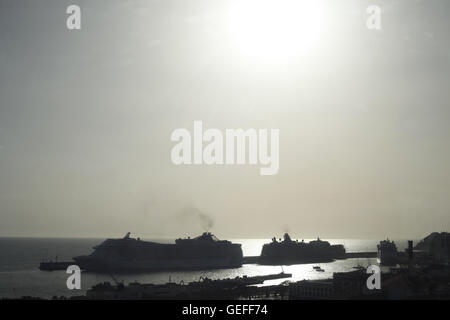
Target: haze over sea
20	258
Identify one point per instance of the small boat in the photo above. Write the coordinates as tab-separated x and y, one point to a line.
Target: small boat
359	267
318	269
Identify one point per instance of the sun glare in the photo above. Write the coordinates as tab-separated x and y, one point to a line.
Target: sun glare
275	29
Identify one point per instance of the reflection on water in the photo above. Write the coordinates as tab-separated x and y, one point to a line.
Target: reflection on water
19	261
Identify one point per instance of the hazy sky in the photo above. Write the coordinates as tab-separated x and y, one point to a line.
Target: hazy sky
86	118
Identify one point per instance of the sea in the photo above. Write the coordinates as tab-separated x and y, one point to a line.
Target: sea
20	258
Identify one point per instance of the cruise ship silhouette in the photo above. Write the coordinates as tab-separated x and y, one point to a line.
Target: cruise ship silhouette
289	251
130	254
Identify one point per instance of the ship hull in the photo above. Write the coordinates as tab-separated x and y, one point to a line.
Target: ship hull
291	261
158	265
387	259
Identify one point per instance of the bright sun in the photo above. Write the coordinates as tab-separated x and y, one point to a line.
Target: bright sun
275	29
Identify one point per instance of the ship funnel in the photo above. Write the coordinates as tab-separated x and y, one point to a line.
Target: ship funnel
410	250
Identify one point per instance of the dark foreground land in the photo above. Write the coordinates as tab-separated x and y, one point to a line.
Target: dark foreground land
404	282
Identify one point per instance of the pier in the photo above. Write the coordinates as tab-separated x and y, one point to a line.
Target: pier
250	260
360	255
52	266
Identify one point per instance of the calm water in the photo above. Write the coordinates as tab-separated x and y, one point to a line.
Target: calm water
20	258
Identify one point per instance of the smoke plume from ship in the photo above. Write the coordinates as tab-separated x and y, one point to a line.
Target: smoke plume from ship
205	220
